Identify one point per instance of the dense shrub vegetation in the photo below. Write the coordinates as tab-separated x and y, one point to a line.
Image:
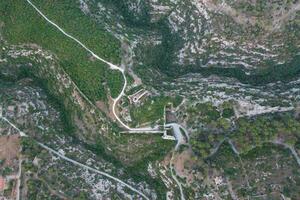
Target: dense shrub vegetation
24	25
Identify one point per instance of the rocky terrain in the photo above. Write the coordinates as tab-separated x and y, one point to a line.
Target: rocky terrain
225	72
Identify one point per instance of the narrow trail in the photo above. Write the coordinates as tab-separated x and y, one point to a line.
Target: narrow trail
111	65
77	163
233	147
19	180
291	148
175	179
216	149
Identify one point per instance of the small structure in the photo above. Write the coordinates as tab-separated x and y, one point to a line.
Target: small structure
10	111
178	132
219	180
170	116
136	97
168	134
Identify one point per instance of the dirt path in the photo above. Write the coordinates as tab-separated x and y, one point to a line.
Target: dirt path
175	178
19	180
112	66
233	147
231	191
291	148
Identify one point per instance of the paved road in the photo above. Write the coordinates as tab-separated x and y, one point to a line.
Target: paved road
22	134
92	169
111	65
178	134
115	101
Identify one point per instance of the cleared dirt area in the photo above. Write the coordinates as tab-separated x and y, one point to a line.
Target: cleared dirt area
183	165
9	165
9	150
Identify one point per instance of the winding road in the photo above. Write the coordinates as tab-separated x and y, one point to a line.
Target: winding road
114	107
291	148
111	65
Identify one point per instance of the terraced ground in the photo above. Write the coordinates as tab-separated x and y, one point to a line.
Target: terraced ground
231	71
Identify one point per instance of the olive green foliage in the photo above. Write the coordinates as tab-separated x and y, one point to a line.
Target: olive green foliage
256	131
162	56
133	17
4	171
250	132
115	83
227	110
154	150
210	116
152	109
227	160
29	147
204	142
215	123
245	171
24	25
159	57
57	103
274	72
205	111
37	189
